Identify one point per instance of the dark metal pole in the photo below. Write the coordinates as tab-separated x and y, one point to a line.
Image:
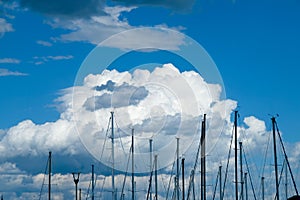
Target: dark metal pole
113	157
263	187
132	154
246	186
203	161
177	173
242	173
79	193
93	183
155	163
286	179
220	181
275	158
151	169
183	186
76	180
235	158
49	184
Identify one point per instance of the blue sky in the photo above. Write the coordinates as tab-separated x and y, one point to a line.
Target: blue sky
254	44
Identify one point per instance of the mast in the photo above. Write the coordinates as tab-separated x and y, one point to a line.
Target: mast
155	164
132	164
113	157
246	186
235	158
182	168
177	173
151	156
286	179
79	193
275	158
49	184
263	187
242	174
203	161
93	183
220	182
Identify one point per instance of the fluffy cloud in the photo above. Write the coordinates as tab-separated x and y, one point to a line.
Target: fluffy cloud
166	104
95	29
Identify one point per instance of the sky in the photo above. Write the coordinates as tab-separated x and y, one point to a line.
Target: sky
57	61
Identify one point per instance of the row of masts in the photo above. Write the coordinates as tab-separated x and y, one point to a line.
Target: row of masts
243	176
202	148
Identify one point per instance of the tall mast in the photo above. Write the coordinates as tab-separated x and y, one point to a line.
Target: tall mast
183	188
263	187
275	158
220	182
203	161
132	164
155	164
93	183
177	173
286	179
246	186
235	158
113	157
151	169
242	174
49	184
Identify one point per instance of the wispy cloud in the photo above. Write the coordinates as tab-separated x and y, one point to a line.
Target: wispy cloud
177	5
5	26
43	59
9	61
6	72
44	43
68	57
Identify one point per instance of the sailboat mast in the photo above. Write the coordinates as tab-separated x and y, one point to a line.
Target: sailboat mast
275	157
49	173
235	158
203	161
155	165
220	182
246	186
263	187
132	164
183	186
93	183
286	179
242	174
113	157
177	173
151	156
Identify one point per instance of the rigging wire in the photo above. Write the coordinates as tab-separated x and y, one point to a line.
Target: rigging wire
40	195
286	158
125	176
265	157
169	183
171	177
227	165
102	151
216	185
250	177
